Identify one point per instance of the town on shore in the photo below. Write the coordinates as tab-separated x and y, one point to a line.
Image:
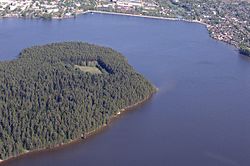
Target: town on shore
227	21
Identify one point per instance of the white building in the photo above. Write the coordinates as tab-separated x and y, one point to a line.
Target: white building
129	3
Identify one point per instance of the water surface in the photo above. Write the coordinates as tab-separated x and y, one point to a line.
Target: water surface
200	116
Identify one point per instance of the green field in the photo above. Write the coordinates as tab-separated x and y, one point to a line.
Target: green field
89	69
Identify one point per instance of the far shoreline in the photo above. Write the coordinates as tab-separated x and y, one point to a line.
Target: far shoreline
110	13
157	18
130	15
143	16
86	136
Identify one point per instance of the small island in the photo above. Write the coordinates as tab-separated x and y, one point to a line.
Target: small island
56	93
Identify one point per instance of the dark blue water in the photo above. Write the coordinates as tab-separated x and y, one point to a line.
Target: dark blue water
200	116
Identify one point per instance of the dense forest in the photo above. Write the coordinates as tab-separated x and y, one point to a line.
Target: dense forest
45	100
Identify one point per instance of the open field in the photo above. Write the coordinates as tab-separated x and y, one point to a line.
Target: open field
89	69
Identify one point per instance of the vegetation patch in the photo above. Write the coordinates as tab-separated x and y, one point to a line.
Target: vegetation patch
89	67
45	101
244	50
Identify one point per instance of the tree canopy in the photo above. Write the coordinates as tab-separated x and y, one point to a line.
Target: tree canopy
45	100
244	50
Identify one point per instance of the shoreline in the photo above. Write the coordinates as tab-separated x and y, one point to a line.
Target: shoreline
143	16
132	15
87	135
147	17
112	13
153	17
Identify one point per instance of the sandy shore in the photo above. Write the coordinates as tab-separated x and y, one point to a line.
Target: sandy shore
118	13
86	135
143	16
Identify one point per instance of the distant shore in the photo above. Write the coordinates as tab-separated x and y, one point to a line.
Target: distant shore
132	15
156	17
151	17
135	15
143	16
117	13
86	135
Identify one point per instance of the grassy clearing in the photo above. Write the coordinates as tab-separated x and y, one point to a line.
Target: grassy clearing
89	69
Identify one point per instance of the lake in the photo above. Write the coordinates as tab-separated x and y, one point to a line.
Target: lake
199	117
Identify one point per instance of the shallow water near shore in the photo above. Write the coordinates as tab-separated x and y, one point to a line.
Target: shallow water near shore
199	117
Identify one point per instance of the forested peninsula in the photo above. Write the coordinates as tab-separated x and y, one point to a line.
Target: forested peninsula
56	93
